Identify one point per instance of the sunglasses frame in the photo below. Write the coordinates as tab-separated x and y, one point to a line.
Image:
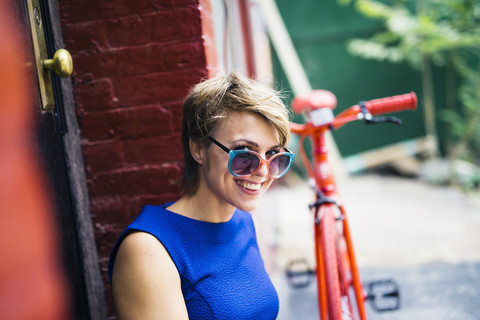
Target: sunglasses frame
234	153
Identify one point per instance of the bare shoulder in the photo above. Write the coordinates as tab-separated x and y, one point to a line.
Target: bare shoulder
145	281
140	245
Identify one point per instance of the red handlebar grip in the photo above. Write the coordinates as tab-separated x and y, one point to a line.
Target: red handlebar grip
392	104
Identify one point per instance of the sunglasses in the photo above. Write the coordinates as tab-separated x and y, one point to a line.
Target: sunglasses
245	163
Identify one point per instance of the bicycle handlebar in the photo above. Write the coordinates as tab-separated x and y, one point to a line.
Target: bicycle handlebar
392	104
385	105
321	117
318	99
375	107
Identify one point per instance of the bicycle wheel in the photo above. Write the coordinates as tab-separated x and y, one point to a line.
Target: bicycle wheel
329	250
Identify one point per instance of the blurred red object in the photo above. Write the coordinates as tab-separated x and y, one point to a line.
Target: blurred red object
32	283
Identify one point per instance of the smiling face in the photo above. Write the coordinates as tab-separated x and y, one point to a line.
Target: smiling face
240	130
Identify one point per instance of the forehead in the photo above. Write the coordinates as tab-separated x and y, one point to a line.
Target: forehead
249	126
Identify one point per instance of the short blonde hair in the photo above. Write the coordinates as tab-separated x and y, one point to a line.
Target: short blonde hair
211	101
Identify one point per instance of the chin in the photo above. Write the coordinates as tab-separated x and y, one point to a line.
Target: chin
248	207
250	202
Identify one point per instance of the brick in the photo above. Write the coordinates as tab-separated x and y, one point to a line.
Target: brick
103	264
155	199
165	87
141	60
124	209
98	36
76	11
176	110
103	156
153	150
81	78
95	95
134	181
85	37
125	123
106	236
183	23
105	210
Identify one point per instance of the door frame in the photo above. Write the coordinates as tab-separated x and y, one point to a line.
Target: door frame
77	180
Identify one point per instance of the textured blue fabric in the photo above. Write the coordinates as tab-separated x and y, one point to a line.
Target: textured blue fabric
222	273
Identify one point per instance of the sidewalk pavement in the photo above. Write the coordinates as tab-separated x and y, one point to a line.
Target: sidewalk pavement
399	225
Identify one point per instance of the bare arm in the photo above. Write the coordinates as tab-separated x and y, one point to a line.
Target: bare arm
146	283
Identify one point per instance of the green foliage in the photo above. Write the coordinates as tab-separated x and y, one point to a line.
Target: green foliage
445	32
433	32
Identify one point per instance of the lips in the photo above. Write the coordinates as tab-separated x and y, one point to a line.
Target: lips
248	185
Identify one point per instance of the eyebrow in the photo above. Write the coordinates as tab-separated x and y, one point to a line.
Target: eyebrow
250	142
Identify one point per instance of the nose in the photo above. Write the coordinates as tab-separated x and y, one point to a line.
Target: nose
263	170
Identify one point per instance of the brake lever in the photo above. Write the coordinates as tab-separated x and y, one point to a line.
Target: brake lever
389	119
368	118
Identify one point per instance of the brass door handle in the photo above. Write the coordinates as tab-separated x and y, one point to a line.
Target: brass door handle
61	63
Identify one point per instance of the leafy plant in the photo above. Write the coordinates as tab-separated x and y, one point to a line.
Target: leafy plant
433	32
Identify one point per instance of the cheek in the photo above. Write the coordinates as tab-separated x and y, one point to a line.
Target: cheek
216	170
268	184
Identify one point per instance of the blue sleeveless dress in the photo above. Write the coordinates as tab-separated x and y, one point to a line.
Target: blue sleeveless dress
222	273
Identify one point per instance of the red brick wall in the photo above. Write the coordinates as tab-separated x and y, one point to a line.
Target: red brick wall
134	61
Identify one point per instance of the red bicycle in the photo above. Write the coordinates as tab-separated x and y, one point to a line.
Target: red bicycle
340	291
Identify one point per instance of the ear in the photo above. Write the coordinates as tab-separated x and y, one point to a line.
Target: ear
197	151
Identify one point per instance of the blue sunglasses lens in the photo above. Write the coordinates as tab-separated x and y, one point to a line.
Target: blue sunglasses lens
244	164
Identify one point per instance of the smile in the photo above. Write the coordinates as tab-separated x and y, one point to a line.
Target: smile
248	185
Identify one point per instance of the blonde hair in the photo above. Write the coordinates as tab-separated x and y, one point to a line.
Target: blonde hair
211	101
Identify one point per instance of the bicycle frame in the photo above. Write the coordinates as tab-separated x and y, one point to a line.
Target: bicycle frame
337	271
324	180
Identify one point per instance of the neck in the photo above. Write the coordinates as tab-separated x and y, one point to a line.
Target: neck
201	207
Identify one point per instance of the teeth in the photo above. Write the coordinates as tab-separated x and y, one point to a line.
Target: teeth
249	186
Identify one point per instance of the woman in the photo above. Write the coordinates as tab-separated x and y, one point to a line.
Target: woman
198	258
